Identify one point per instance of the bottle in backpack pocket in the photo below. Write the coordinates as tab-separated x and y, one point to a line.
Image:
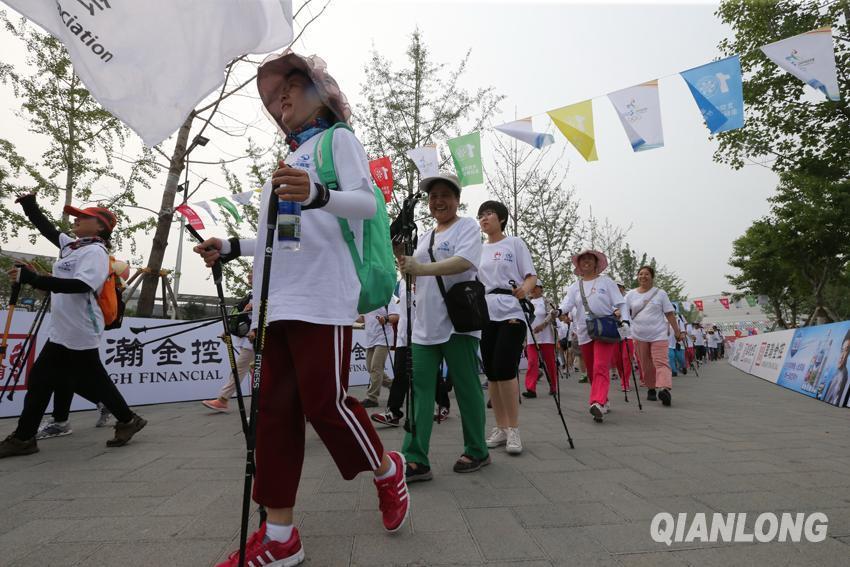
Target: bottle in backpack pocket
288	225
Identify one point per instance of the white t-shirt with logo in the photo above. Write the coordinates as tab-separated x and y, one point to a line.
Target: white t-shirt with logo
76	321
401	308
603	297
546	336
501	262
318	283
375	334
432	325
650	323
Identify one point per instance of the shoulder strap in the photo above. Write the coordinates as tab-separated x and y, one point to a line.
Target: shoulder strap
433	259
645	303
323	158
584	298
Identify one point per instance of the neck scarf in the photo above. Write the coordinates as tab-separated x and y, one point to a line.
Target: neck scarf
300	135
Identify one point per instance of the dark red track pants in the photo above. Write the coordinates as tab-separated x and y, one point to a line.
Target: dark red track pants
305	373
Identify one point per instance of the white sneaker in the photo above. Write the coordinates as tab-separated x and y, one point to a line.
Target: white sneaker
54	429
606	409
596	412
514	443
497	437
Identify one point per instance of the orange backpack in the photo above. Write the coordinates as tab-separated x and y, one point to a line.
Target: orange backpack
111	300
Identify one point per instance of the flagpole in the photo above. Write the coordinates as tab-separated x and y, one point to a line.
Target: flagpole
197	141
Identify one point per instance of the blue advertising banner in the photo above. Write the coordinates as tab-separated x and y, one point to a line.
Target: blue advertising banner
718	91
816	363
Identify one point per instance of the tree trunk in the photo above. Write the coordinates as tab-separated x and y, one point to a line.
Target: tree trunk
147	297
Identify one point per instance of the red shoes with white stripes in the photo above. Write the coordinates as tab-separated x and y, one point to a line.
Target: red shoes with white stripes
394	501
268	553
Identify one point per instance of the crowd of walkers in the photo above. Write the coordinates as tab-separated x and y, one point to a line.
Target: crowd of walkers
310	300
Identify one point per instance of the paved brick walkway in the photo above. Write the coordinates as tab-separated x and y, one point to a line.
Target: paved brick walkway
730	443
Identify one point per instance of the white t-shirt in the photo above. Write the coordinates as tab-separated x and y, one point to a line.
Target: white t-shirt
603	297
546	336
649	324
432	325
401	307
713	340
374	333
501	262
700	336
318	283
562	330
76	321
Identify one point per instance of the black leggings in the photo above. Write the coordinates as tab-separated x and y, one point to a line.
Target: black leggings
501	349
398	389
64	371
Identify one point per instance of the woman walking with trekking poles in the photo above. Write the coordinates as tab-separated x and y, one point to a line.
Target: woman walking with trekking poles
505	261
309	294
651	312
597	302
70	360
446	262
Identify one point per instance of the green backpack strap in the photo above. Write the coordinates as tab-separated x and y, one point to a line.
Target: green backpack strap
323	158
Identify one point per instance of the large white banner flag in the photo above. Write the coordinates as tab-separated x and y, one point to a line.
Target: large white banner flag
639	110
427	160
522	130
150	63
810	57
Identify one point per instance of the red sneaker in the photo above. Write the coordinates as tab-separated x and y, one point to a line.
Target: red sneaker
392	495
269	553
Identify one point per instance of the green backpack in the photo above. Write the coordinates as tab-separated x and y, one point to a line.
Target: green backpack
376	270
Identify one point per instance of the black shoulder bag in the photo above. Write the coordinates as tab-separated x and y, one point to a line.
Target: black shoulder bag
465	301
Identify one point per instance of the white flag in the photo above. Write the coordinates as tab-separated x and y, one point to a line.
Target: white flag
810	57
150	63
242	198
639	110
522	130
206	206
427	160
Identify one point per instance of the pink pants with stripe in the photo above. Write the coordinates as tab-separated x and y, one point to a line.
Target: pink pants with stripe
305	374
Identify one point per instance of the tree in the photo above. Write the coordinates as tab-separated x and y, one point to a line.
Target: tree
417	104
799	255
787	126
551	230
82	140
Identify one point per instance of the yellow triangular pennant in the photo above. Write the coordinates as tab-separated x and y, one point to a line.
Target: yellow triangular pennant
576	123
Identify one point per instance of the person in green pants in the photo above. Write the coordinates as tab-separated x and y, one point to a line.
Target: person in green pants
450	252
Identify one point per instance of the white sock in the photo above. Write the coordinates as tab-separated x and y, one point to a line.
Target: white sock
390	472
278	532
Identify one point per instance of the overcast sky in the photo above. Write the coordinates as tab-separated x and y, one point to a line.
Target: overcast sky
684	208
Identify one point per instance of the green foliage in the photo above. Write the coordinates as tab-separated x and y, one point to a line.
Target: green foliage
799	255
418	104
787	124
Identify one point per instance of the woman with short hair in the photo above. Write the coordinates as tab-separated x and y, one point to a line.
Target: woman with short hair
651	312
446	255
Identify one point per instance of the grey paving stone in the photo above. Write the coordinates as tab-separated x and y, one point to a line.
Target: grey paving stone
730	443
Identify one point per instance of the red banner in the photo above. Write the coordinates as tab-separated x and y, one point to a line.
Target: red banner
698	303
382	173
190	214
724	301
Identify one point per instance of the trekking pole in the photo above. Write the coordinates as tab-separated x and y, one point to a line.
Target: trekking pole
259	343
625	390
387	341
183	332
408	233
527	310
24	353
13	302
137	330
634	369
228	338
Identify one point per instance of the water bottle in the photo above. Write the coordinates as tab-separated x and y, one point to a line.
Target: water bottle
288	225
